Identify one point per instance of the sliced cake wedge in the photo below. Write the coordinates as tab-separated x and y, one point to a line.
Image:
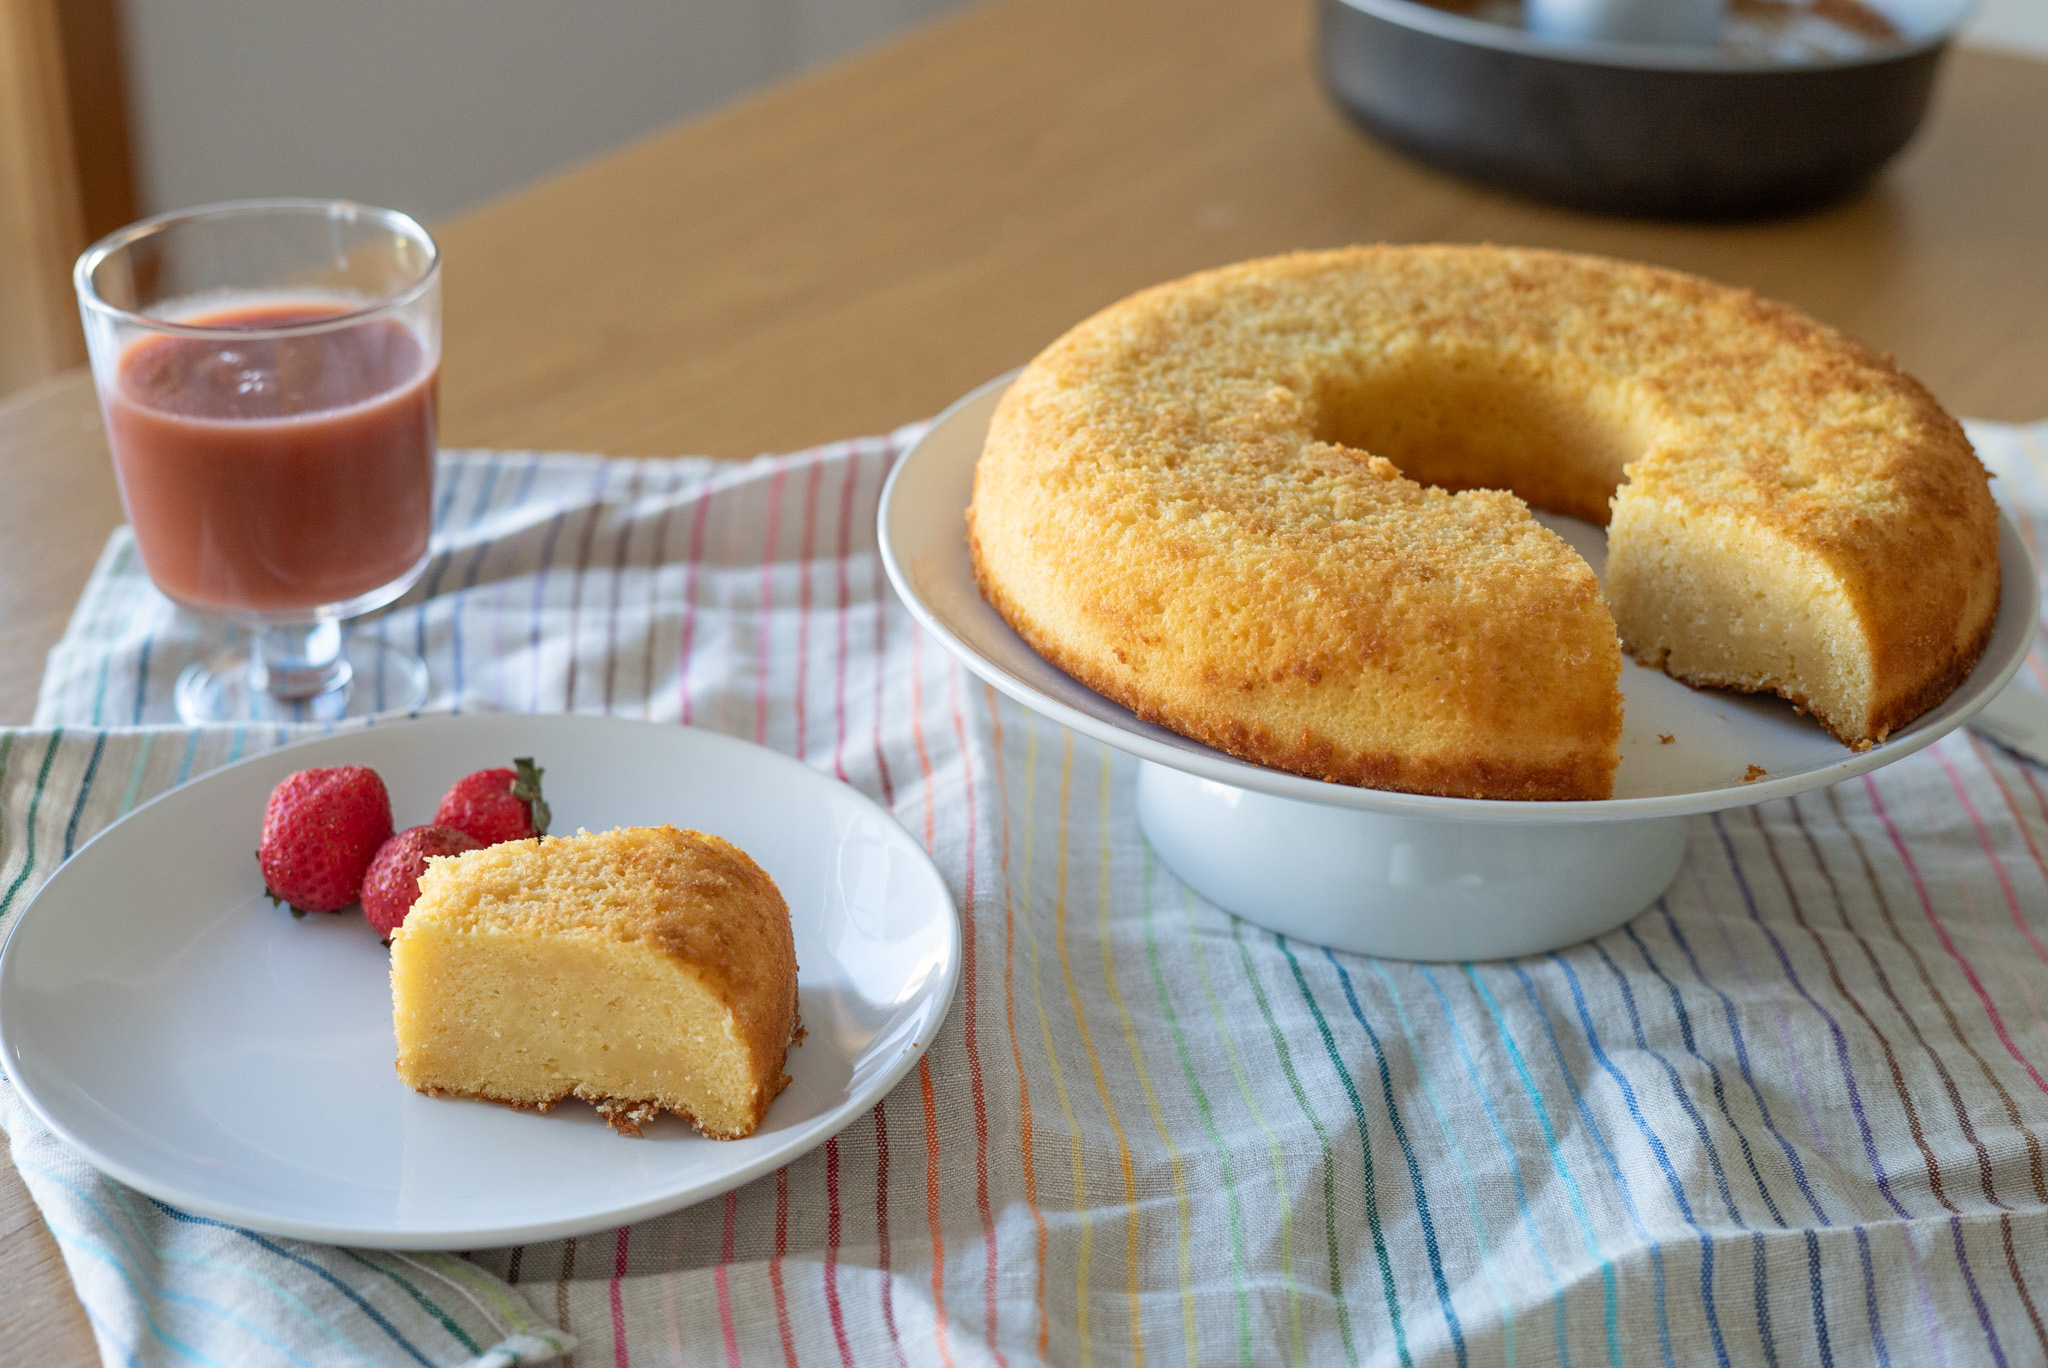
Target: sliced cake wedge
643	970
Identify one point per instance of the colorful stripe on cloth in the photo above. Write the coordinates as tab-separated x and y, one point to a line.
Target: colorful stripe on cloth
1793	1113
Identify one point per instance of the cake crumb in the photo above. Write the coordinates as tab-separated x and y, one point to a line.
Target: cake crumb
1753	773
1665	738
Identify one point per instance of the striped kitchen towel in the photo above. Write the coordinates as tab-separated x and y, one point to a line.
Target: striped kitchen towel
1792	1114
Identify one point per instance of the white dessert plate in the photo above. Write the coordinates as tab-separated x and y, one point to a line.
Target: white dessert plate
1724	749
195	1042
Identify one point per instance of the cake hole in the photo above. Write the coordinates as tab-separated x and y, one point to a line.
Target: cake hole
1467	425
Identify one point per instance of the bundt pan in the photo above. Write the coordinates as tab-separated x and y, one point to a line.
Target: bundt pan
1667	132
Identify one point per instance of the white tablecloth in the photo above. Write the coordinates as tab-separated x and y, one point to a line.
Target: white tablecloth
1794	1113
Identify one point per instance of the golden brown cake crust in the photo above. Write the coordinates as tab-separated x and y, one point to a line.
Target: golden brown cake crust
1590	775
1183	504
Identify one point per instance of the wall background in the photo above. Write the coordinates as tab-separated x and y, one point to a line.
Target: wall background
2013	25
435	105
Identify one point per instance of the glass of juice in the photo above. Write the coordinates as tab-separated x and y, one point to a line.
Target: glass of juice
268	370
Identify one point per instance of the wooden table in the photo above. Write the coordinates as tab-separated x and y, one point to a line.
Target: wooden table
853	250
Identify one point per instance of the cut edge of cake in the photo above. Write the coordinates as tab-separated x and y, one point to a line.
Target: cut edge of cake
665	983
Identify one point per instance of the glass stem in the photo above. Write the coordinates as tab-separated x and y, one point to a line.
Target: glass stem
299	661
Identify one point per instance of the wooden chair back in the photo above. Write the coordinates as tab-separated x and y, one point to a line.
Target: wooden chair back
66	174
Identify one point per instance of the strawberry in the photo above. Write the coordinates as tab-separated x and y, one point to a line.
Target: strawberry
320	829
496	805
393	883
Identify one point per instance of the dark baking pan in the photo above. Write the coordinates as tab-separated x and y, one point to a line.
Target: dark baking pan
1652	131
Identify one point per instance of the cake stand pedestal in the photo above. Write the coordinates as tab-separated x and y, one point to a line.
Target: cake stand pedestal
1405	875
1417	888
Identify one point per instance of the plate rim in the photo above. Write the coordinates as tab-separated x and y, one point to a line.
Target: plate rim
801	1139
2019	596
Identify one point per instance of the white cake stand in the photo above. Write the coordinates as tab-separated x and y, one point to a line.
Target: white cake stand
1400	874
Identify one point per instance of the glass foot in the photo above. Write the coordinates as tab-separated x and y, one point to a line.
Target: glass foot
367	678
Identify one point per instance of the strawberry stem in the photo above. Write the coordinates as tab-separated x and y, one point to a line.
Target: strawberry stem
527	786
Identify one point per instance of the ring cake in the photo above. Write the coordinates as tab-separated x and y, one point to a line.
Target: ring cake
644	970
1283	508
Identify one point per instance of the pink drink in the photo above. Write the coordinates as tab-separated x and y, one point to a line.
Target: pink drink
278	475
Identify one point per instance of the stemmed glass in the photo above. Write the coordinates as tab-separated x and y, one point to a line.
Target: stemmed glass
268	370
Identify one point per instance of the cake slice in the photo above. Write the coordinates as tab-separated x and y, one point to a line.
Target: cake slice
644	970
